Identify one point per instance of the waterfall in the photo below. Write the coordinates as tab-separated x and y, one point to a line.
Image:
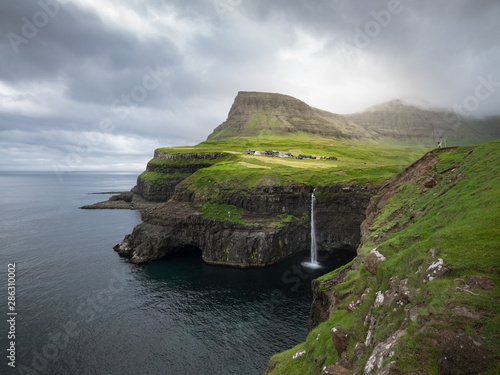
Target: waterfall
314	247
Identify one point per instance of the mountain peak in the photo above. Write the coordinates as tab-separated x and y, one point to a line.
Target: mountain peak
256	112
253	113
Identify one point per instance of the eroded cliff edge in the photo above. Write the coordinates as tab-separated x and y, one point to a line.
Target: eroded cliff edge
248	228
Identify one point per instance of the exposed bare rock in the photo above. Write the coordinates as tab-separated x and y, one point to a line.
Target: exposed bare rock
299	354
464	355
124	200
372	321
335	370
382	350
254	112
436	270
340	340
174	226
464	312
259	241
413	313
405	291
372	261
390	369
359	350
379	299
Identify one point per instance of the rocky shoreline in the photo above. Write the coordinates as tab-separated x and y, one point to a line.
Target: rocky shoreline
125	200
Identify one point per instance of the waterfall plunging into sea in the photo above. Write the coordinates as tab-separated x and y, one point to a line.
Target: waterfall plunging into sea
314	247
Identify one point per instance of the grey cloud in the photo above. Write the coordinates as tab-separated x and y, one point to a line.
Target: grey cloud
433	50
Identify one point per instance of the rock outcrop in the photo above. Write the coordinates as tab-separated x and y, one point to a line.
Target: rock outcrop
275	224
175	226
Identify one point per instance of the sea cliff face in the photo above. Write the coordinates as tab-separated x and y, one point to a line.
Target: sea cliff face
269	224
165	171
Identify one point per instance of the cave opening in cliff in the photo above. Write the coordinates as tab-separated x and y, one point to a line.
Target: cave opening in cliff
188	251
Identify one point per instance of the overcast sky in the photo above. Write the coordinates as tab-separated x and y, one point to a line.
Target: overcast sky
99	84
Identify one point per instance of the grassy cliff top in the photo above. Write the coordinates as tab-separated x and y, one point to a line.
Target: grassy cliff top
356	162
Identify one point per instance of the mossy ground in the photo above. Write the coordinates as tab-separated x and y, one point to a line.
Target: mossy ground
223	212
459	218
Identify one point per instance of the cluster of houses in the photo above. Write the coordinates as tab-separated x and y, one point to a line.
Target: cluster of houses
288	155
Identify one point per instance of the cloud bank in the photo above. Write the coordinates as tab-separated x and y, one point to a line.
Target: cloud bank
98	85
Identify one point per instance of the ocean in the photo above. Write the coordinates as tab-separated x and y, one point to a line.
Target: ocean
81	309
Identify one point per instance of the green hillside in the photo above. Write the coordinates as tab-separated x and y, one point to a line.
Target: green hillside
455	218
356	162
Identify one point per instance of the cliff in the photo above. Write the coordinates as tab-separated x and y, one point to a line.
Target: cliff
252	228
421	297
165	171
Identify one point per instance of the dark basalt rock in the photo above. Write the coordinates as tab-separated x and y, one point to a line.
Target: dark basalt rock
173	227
264	239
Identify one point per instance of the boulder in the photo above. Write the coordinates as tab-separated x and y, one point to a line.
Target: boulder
372	261
436	270
340	339
382	350
405	291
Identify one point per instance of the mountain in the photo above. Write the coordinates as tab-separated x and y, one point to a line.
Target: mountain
407	123
256	112
253	113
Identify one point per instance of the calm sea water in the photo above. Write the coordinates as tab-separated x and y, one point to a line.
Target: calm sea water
81	309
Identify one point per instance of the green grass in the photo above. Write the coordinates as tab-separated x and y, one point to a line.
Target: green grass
358	163
223	212
158	178
460	219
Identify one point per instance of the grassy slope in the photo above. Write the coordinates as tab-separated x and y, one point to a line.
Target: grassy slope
460	220
361	163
